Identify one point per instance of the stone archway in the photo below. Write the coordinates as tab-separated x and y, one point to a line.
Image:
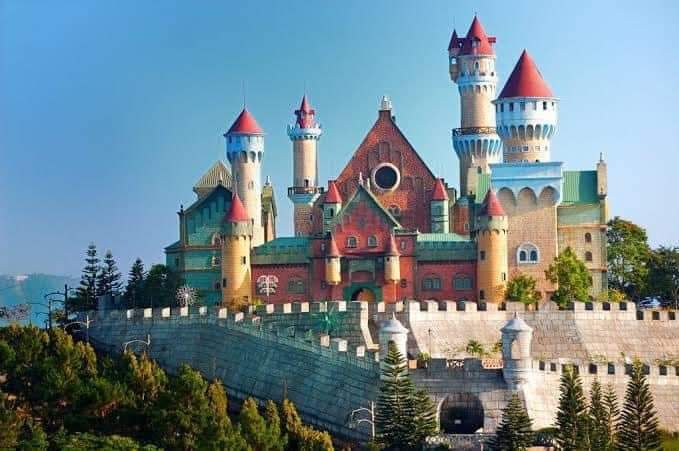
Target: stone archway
363	294
461	413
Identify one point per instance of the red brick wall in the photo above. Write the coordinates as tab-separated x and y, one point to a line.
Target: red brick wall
284	274
446	271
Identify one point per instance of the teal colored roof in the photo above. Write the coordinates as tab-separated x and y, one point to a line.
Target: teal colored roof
482	185
362	193
289	249
444	247
175	245
579	187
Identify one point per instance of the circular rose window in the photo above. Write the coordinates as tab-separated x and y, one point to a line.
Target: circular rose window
386	177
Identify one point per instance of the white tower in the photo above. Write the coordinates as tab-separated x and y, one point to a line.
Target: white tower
472	68
526	112
245	150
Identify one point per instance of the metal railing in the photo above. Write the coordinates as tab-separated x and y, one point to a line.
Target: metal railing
305	190
474	131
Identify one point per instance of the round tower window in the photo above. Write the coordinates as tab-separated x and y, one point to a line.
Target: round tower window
386	177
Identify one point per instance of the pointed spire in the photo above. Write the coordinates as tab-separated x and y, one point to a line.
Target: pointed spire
491	205
332	251
333	196
525	80
439	191
245	124
392	249
305	114
454	41
237	211
477	42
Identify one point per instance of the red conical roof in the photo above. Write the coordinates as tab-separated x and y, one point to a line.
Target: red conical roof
477	42
333	195
525	80
245	124
392	249
332	251
439	191
237	212
491	205
454	41
305	114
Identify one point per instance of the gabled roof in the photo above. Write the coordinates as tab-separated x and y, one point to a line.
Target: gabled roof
245	124
362	193
525	80
218	174
208	196
579	187
439	191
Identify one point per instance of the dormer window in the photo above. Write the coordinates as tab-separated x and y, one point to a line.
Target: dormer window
352	242
372	241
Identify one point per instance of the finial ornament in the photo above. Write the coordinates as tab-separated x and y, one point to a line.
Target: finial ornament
360	178
385	105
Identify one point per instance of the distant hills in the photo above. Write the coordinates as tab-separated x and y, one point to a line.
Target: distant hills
19	289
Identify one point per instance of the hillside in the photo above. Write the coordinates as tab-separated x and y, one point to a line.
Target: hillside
17	289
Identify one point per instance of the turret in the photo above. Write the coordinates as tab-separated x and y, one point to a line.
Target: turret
461	223
472	68
392	264
304	134
491	239
516	341
392	331
245	150
333	270
526	112
236	244
332	204
439	209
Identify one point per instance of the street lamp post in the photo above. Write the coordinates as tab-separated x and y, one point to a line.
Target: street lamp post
86	323
353	422
147	342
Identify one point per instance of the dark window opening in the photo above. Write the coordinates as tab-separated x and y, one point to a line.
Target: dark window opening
386	177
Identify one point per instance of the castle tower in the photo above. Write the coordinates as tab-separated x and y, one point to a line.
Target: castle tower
516	340
332	204
236	243
304	134
526	112
472	68
491	239
245	150
392	265
439	209
333	271
392	331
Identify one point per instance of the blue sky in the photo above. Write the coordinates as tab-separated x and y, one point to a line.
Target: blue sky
111	110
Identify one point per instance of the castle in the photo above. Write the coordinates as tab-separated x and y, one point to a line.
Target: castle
387	228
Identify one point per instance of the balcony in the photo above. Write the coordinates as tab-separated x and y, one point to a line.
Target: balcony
474	131
305	190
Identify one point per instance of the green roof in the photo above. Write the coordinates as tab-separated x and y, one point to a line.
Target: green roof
482	185
444	247
440	237
282	250
175	245
579	187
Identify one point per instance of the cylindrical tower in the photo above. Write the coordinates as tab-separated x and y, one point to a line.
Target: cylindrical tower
333	269
461	224
472	68
439	209
236	244
245	150
392	331
516	342
491	240
304	134
392	264
526	112
332	204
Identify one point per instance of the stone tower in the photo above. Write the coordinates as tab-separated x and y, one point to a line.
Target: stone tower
491	238
236	244
245	150
304	134
526	112
516	340
333	268
472	68
332	204
392	267
439	209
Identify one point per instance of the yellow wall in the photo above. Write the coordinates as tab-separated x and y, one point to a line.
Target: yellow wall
236	271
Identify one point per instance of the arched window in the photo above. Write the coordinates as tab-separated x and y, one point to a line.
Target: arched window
372	241
438	210
431	283
395	211
462	282
588	237
588	256
352	242
528	253
216	239
296	286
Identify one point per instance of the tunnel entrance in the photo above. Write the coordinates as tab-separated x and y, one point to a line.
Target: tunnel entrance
461	413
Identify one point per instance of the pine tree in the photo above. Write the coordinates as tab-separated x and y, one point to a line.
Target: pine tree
599	432
108	280
275	438
135	285
638	426
86	298
425	416
571	417
612	414
253	427
514	432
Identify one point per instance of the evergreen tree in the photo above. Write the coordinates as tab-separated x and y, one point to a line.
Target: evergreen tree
638	426
253	426
514	432
612	414
160	287
301	437
134	291
572	276
425	416
600	436
521	288
275	438
86	297
571	417
32	437
663	274
9	425
108	280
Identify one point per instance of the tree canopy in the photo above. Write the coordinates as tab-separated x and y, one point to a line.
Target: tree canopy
572	276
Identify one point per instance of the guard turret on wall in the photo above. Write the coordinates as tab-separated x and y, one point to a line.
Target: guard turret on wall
516	341
392	331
